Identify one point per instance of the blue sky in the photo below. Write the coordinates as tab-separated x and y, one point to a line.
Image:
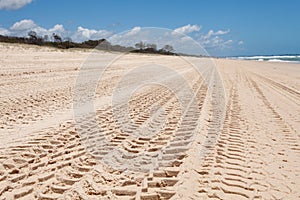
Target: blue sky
228	27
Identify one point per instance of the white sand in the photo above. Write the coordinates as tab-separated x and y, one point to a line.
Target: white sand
43	155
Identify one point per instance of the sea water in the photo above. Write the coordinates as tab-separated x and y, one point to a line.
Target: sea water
273	58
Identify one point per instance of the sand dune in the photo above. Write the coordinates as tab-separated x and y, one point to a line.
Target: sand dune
44	152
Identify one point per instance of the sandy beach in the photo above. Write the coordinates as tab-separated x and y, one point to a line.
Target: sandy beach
253	154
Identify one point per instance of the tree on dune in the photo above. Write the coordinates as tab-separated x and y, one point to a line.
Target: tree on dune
152	47
56	38
32	35
141	45
168	48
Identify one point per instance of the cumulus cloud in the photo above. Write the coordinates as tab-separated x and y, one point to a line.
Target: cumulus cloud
21	29
216	43
3	31
22	25
221	32
214	39
58	28
215	33
132	36
13	4
210	40
89	34
187	29
84	32
133	31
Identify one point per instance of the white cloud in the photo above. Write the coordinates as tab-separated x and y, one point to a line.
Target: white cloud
226	43
214	39
186	29
211	40
133	31
185	38
21	29
58	28
133	36
3	31
23	25
83	34
100	34
213	33
13	4
221	32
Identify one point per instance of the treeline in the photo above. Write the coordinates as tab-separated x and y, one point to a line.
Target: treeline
142	47
63	43
66	43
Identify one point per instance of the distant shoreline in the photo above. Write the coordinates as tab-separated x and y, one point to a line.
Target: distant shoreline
288	58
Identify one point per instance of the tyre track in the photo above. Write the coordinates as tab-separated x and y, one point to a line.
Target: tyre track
289	134
61	168
225	172
158	183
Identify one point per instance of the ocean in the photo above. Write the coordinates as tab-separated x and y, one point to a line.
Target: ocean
277	58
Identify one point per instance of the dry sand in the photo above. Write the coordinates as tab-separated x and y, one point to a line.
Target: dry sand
42	156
